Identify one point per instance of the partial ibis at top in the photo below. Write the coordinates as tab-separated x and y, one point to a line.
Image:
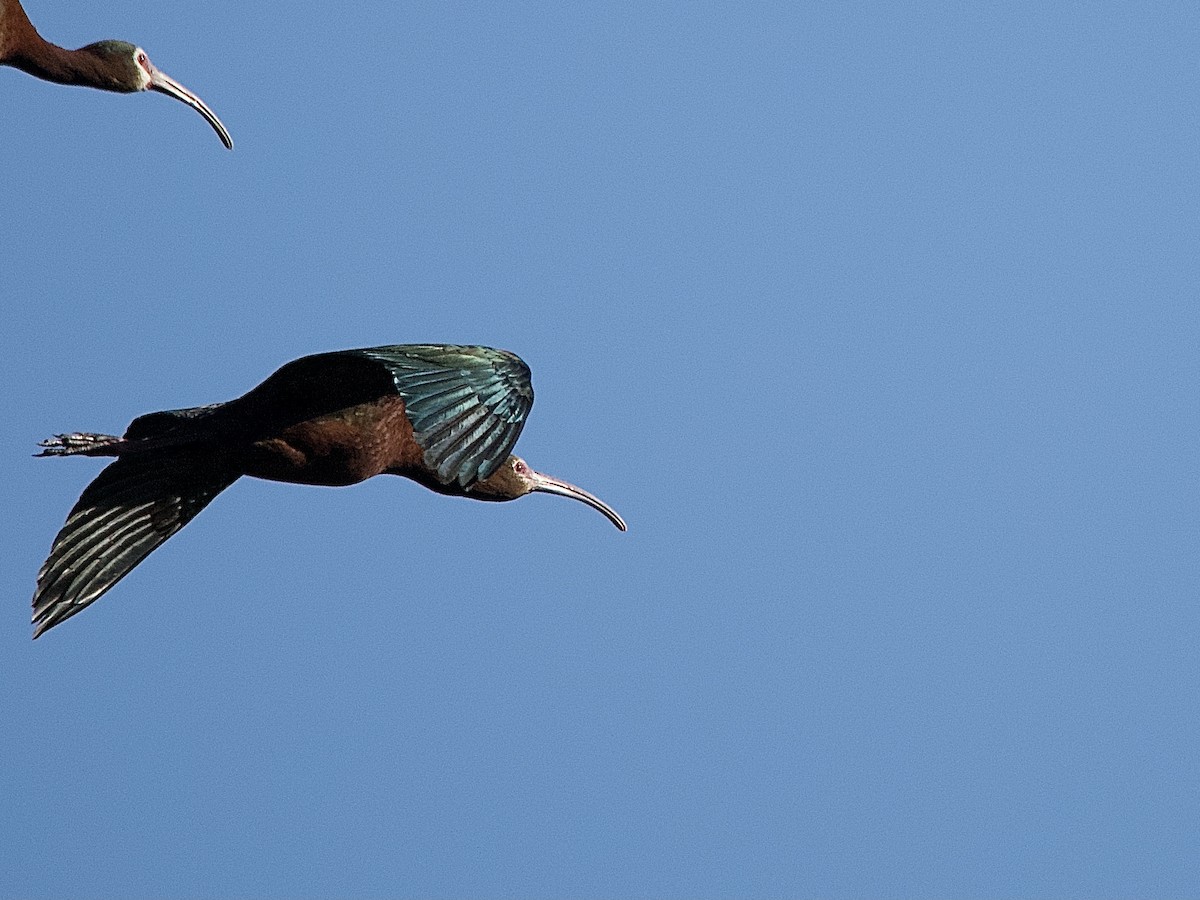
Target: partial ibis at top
107	65
445	416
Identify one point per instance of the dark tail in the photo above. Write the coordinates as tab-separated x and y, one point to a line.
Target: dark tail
133	506
171	429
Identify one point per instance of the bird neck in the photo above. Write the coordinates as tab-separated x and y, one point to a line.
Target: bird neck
23	48
15	30
50	62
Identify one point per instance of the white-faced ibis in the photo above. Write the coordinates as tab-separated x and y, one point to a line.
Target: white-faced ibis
444	416
107	65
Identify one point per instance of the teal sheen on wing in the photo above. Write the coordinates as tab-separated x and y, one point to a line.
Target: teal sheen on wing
467	405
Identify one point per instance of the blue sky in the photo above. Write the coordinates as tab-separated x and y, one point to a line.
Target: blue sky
877	323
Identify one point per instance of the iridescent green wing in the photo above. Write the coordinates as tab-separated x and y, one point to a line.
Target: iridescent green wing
467	405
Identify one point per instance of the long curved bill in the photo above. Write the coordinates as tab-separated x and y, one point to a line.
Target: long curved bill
553	486
165	84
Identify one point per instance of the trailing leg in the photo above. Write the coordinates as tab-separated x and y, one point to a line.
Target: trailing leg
79	442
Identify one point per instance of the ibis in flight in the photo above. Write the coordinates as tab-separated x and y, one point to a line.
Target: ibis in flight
107	65
445	416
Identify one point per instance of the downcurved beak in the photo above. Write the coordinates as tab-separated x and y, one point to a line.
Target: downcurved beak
549	485
165	84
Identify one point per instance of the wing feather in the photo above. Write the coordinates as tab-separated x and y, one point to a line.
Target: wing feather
467	405
134	505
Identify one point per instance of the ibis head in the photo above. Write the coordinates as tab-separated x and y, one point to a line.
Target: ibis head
107	65
126	69
515	479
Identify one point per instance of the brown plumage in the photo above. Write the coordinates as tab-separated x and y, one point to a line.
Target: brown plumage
444	416
107	65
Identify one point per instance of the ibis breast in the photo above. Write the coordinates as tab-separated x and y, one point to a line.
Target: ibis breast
339	448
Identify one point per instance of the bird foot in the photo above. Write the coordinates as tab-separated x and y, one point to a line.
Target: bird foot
76	442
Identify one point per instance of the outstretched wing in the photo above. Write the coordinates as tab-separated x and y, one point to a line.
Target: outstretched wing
467	405
134	505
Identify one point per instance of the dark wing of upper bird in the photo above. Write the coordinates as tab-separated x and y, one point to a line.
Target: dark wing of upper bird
134	505
467	405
